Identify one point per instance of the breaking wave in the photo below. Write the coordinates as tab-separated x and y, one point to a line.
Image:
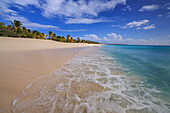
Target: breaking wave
90	82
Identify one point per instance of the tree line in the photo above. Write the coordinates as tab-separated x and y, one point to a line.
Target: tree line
17	30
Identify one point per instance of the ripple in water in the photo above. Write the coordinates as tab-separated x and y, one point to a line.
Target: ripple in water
90	82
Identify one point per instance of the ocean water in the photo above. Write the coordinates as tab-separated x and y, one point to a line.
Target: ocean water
151	64
107	79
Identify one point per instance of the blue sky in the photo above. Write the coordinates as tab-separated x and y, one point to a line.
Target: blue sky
104	21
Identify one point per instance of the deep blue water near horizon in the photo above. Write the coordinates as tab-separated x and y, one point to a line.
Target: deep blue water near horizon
150	63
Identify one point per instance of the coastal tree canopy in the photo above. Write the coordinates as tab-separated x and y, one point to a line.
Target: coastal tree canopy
17	30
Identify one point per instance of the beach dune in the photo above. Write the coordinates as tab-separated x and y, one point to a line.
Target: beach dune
24	60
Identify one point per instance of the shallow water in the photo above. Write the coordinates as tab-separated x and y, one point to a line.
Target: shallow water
104	79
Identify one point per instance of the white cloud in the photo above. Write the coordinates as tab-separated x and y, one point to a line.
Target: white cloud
84	21
128	8
26	2
109	38
168	36
32	11
5	10
167	6
29	24
79	12
77	9
159	15
86	12
91	37
149	8
168	16
77	30
140	25
18	6
138	28
136	23
39	26
32	25
114	38
116	26
149	27
8	14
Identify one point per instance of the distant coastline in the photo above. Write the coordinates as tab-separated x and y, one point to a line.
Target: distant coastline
135	45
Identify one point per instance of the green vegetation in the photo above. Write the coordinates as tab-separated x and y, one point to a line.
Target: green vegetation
68	38
17	30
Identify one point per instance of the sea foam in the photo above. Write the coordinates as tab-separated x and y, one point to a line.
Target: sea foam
90	82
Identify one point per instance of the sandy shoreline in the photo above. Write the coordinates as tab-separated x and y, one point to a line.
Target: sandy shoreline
23	60
26	44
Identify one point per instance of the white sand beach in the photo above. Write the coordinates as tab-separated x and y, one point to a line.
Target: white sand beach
24	60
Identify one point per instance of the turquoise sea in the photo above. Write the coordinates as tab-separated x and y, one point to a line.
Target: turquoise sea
151	64
106	79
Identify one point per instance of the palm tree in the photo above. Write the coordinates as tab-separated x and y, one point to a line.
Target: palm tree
38	34
61	39
1	24
68	38
15	28
54	36
9	27
34	34
50	34
43	36
29	30
74	41
17	23
19	30
78	40
71	40
24	29
83	41
13	25
46	35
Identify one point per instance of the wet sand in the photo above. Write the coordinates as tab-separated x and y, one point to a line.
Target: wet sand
24	60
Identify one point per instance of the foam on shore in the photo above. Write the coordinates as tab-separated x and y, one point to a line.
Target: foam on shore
90	82
23	60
